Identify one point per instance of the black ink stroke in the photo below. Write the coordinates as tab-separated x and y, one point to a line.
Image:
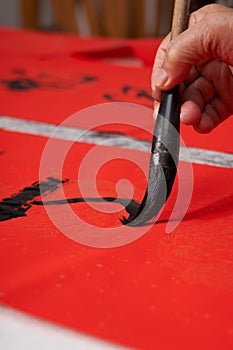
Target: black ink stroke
130	206
126	88
144	94
128	91
108	97
88	79
21	80
22	84
17	205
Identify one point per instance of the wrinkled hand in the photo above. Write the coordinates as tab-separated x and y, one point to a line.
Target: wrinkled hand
202	59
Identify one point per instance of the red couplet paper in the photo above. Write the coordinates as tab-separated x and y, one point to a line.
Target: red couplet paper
162	290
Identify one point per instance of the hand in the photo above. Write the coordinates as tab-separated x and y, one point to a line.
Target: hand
201	58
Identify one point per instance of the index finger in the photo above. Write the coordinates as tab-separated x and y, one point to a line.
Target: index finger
158	62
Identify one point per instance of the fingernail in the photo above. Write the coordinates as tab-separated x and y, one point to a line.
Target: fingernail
161	77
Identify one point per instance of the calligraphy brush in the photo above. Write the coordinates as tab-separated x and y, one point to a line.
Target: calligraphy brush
166	140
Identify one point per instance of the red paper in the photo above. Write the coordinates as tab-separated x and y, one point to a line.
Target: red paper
163	291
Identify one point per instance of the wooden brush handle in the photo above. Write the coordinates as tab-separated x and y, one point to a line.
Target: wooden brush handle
180	17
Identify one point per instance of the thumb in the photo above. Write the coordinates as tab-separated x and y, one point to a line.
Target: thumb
208	38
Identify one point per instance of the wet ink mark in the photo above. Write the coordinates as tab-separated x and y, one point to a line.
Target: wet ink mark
144	94
88	79
130	207
21	80
17	205
126	88
129	92
138	92
22	84
108	97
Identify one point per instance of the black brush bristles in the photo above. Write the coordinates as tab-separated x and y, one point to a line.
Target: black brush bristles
163	161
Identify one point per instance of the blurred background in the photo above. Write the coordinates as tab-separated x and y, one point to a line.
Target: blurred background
114	18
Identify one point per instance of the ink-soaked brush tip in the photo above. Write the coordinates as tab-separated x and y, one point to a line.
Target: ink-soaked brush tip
163	161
